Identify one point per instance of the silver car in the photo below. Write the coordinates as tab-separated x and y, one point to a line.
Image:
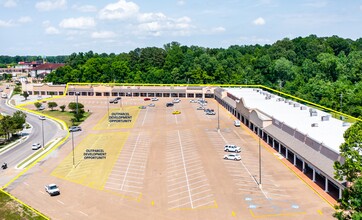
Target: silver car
232	157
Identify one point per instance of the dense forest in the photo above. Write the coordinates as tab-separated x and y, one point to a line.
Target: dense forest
323	70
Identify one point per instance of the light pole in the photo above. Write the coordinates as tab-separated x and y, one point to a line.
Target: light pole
218	117
261	134
108	107
73	148
77	94
42	130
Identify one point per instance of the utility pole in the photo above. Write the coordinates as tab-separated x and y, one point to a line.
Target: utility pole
261	134
218	117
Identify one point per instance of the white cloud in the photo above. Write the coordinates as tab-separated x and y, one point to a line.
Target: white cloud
218	29
103	34
259	21
78	23
10	3
181	2
51	30
120	10
6	23
51	5
85	8
158	24
316	4
25	19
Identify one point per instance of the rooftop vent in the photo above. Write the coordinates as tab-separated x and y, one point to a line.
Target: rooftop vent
303	107
280	99
313	112
345	124
325	118
296	104
315	125
268	97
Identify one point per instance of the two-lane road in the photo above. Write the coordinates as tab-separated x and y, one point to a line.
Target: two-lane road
20	152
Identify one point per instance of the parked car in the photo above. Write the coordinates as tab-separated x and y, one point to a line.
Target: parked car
232	148
232	157
151	105
169	104
41	117
147	99
142	107
200	108
193	101
75	128
41	108
210	113
52	189
237	123
35	146
118	98
154	99
4	95
176	112
176	101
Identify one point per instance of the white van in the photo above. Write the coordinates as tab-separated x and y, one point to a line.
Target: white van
237	123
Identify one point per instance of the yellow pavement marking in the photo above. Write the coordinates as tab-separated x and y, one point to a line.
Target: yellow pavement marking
128	111
153	203
233	214
320	212
92	172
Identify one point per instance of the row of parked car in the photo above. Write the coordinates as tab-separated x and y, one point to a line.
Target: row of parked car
232	156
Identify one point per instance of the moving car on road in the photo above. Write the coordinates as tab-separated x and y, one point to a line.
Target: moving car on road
42	117
232	157
52	189
35	146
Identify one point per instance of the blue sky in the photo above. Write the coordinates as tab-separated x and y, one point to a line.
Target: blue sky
61	27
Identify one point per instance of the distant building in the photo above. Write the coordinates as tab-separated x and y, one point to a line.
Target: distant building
43	69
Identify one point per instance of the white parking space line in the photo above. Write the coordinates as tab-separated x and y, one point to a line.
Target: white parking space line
60	202
42	192
83	213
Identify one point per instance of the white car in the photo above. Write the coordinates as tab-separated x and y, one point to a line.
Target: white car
232	157
193	101
151	105
176	100
52	189
237	123
154	99
232	148
35	146
42	117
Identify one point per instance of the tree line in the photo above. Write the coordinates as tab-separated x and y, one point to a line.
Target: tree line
323	70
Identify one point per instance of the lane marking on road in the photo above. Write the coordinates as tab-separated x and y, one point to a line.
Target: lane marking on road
60	202
129	163
184	165
83	213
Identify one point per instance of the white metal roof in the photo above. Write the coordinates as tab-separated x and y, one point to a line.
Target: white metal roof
330	132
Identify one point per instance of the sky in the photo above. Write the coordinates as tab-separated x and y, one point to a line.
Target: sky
62	27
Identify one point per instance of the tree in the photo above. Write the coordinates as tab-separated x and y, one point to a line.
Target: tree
37	105
26	95
19	119
350	206
73	106
62	107
52	105
350	150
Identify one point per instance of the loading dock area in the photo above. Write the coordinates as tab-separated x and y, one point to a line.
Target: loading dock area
167	166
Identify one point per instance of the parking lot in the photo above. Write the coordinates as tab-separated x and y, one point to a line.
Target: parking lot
162	165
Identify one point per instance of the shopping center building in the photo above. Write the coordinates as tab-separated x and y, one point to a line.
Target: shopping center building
306	136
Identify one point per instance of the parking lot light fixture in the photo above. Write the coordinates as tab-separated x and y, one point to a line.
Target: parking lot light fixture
42	131
261	133
218	117
73	148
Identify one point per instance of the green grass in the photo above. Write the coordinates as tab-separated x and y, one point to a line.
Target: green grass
12	210
66	116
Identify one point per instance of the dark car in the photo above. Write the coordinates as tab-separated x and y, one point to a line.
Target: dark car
169	104
147	99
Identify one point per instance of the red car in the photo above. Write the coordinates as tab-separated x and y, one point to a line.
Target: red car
147	99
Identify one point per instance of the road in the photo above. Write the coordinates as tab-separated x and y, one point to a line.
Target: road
20	152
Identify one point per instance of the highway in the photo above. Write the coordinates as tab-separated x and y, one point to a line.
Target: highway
18	153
